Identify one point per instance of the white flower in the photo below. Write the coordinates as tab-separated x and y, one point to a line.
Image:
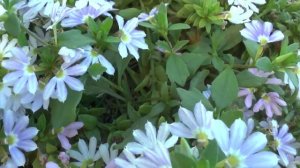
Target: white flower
97	4
108	156
70	54
87	154
92	57
197	125
288	81
151	138
58	13
2	10
248	4
131	39
56	87
242	149
145	17
23	76
6	46
238	15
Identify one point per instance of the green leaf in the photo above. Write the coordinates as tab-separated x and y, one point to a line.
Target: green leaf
179	26
12	25
41	123
248	80
264	64
228	117
190	97
74	39
213	153
129	13
225	88
198	80
177	70
63	114
96	70
179	45
251	47
195	60
89	121
180	160
293	77
229	38
162	19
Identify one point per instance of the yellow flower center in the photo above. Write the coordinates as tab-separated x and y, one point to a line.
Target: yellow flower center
263	41
125	37
266	97
230	162
11	139
60	74
202	139
30	69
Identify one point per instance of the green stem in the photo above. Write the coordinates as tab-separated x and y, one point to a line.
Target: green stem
55	35
113	85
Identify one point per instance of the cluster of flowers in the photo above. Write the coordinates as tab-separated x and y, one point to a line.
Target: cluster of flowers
241	146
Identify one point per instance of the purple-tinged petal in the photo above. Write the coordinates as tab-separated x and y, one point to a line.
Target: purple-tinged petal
120	21
258	105
8	121
74	84
238	132
268	27
10	78
51	165
49	89
181	130
221	134
61	91
262	160
187	118
28	133
76	70
276	36
131	25
17	156
21	124
27	145
64	142
254	143
32	84
123	50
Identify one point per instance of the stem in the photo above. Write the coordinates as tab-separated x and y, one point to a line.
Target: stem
55	35
112	84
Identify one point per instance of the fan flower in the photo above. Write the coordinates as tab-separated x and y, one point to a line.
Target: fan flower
56	87
18	137
58	13
151	138
68	132
197	125
6	46
242	150
87	154
146	17
97	4
131	39
108	156
271	102
64	158
92	57
283	142
158	157
248	4
80	16
270	79
261	32
249	96
52	165
238	15
23	76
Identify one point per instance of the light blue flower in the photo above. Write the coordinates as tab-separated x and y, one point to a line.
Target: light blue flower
80	16
283	142
241	148
22	75
90	57
247	4
6	46
58	12
108	155
56	87
261	32
97	4
151	138
146	17
18	137
196	125
87	154
131	39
